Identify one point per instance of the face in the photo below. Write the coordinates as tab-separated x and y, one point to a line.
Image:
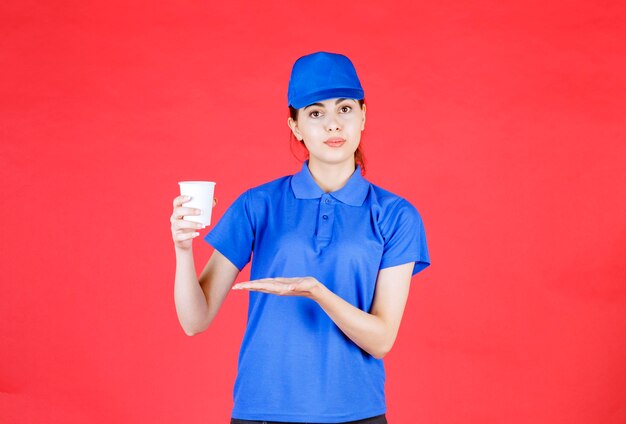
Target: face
327	119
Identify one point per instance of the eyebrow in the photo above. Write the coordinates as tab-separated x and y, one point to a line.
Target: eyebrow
319	104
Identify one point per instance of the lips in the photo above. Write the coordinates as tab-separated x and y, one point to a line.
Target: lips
335	141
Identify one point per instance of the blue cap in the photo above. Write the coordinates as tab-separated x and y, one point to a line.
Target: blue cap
320	76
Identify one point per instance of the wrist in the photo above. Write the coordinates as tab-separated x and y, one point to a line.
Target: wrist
318	291
181	251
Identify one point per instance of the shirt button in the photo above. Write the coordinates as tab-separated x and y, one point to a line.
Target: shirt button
325	216
327	200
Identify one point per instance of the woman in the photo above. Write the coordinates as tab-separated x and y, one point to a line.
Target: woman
333	260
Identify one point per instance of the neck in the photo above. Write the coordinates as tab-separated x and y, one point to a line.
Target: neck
331	176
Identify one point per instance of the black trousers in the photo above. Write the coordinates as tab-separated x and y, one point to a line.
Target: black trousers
379	419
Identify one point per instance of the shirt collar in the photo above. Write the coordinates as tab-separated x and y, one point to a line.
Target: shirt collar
352	193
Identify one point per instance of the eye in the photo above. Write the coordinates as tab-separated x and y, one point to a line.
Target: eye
346	106
315	111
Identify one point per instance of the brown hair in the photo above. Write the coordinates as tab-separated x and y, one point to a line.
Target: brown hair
359	157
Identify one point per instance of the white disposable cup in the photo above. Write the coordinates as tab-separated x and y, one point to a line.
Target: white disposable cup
201	197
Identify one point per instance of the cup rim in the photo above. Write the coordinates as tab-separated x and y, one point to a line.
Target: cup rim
196	182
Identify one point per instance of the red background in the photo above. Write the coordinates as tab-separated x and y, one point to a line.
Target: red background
502	123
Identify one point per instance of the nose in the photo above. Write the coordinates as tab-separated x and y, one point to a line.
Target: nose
332	124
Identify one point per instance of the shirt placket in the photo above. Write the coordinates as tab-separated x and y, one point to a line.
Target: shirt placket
326	217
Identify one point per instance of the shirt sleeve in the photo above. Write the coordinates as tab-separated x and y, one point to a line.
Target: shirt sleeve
405	238
233	235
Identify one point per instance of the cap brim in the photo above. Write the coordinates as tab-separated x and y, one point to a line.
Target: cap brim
307	99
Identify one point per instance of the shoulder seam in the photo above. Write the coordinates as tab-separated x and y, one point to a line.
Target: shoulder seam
246	203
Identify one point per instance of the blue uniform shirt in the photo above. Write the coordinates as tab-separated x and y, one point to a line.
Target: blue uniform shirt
295	364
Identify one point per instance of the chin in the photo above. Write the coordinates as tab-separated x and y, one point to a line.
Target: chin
334	159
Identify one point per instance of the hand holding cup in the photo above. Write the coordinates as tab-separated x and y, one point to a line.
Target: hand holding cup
184	231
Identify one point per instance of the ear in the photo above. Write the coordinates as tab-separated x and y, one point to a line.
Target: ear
294	128
363	124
